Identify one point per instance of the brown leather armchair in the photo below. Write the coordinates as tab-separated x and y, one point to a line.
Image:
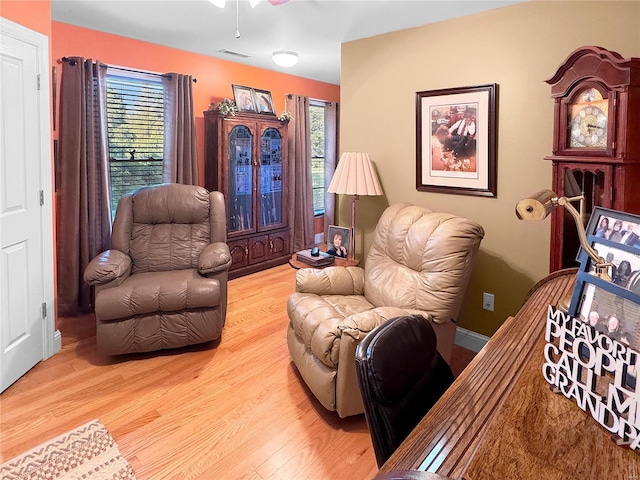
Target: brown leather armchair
419	264
163	283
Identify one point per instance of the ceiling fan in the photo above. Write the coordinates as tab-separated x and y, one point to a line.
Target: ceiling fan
253	3
283	58
222	3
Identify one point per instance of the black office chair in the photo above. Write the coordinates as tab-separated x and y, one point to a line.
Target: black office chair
401	376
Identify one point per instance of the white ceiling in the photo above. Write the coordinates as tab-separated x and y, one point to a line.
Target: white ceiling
313	28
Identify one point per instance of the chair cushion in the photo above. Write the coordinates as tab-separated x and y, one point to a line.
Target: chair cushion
170	227
425	256
157	292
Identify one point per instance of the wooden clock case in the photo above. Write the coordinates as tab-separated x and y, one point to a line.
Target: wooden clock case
608	177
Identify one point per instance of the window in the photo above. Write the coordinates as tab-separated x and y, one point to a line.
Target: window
135	125
317	111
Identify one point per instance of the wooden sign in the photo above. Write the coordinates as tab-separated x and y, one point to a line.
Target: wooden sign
597	372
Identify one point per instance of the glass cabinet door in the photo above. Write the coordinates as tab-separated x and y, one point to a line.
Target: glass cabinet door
270	178
240	179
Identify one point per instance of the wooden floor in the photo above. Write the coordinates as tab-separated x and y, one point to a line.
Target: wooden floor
234	409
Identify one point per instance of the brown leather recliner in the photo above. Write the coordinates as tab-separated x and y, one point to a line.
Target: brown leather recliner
163	283
419	264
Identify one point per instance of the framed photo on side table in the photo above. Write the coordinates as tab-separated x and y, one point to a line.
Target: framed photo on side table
456	140
338	241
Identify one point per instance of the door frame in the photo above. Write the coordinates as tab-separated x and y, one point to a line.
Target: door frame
52	340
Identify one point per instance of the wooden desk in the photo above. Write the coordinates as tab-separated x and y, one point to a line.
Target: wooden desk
500	420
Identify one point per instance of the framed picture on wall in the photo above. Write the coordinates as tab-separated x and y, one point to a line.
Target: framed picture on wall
243	96
456	140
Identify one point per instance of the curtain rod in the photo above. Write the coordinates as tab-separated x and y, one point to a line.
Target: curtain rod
72	62
290	96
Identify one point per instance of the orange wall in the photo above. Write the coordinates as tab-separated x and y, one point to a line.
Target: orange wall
214	76
35	14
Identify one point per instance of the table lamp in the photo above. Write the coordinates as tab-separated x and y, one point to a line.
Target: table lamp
538	207
355	175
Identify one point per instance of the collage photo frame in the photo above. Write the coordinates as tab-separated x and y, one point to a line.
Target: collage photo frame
612	307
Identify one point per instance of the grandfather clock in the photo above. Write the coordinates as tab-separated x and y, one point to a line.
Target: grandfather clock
596	141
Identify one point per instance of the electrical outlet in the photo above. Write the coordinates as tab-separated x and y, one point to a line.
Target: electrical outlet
487	301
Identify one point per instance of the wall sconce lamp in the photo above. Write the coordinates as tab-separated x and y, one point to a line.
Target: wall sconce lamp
355	175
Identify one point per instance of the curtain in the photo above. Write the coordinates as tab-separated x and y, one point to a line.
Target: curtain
84	216
330	162
180	154
301	231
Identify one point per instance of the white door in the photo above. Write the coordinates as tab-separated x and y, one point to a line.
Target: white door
26	240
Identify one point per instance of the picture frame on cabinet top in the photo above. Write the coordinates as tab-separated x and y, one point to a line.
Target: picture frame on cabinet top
264	102
244	98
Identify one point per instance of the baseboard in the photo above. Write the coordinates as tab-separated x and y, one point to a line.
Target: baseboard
470	340
57	341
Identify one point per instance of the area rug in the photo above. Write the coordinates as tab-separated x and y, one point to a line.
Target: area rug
88	452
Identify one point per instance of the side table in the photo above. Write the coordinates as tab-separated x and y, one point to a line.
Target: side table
339	262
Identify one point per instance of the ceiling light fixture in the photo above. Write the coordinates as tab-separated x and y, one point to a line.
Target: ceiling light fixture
253	3
285	58
219	3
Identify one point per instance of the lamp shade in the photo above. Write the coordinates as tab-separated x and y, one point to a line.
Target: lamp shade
285	58
355	175
537	206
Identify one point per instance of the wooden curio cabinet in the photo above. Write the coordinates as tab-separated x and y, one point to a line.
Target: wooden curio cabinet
246	160
596	141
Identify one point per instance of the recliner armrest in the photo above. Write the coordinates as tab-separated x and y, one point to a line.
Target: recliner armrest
106	267
331	281
358	325
215	258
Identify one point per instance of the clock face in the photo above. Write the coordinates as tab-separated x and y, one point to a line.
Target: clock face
588	120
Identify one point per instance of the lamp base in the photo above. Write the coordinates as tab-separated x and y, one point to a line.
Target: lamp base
564	303
351	254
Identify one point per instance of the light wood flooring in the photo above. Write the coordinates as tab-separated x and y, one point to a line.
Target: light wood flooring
232	409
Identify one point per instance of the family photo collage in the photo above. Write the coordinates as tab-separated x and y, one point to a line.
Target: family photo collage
611	306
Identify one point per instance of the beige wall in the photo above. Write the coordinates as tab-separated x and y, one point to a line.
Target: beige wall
517	47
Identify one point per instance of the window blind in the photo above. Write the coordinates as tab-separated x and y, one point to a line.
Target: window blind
135	119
